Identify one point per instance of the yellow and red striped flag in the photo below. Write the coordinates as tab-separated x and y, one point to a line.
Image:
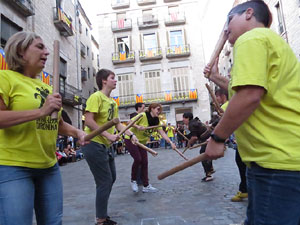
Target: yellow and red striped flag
3	64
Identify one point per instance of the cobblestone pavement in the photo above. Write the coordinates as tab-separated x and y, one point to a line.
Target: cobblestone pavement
182	195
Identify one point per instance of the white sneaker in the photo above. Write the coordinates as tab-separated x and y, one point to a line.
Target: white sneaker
149	188
134	186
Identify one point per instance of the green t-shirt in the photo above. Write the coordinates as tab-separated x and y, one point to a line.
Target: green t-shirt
104	109
31	144
144	135
271	135
224	106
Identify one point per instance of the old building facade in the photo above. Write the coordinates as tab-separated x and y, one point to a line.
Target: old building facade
155	49
55	20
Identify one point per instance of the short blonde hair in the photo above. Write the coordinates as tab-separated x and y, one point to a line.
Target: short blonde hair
15	45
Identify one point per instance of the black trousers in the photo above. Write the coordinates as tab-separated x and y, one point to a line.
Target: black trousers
242	170
207	164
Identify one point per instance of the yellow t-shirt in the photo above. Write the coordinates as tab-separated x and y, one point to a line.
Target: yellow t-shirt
142	136
271	135
104	109
170	131
31	144
224	106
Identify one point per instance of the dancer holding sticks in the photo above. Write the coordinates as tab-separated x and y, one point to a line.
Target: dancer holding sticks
30	178
198	131
100	108
139	155
263	111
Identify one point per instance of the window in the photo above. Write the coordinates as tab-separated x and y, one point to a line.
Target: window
62	85
152	83
150	44
93	56
176	38
8	28
63	67
281	28
88	73
86	32
98	60
87	51
80	26
123	45
125	83
180	81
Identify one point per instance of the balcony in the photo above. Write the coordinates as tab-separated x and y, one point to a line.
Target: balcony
150	54
120	4
62	22
145	2
121	25
175	19
175	51
25	7
71	95
83	75
123	57
164	97
148	21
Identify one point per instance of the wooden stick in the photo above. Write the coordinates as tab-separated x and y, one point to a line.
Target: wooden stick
54	115
186	148
198	145
176	150
181	134
218	108
132	122
102	128
219	46
153	127
183	166
154	153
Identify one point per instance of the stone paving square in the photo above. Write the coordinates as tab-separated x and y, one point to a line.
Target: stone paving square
182	195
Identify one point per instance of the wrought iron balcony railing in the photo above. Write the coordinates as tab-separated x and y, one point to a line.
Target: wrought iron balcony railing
174	51
123	57
70	95
164	97
175	19
148	21
121	25
25	7
150	54
120	4
62	22
145	2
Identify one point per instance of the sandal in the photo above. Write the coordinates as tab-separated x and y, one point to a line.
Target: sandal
207	178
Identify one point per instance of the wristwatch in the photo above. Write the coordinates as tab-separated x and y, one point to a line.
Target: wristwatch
217	139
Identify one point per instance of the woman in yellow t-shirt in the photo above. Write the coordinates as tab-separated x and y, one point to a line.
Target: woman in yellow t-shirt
149	118
29	174
100	108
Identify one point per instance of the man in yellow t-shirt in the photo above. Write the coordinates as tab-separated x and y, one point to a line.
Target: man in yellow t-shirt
264	109
170	132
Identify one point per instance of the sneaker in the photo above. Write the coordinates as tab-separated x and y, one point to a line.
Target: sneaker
149	188
111	221
134	186
207	178
239	197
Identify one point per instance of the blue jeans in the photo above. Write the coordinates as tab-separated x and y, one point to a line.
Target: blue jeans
274	196
24	189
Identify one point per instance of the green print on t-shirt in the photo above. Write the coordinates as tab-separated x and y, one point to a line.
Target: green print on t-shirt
45	123
111	111
42	95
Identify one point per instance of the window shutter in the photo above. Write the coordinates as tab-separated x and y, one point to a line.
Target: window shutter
157	39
